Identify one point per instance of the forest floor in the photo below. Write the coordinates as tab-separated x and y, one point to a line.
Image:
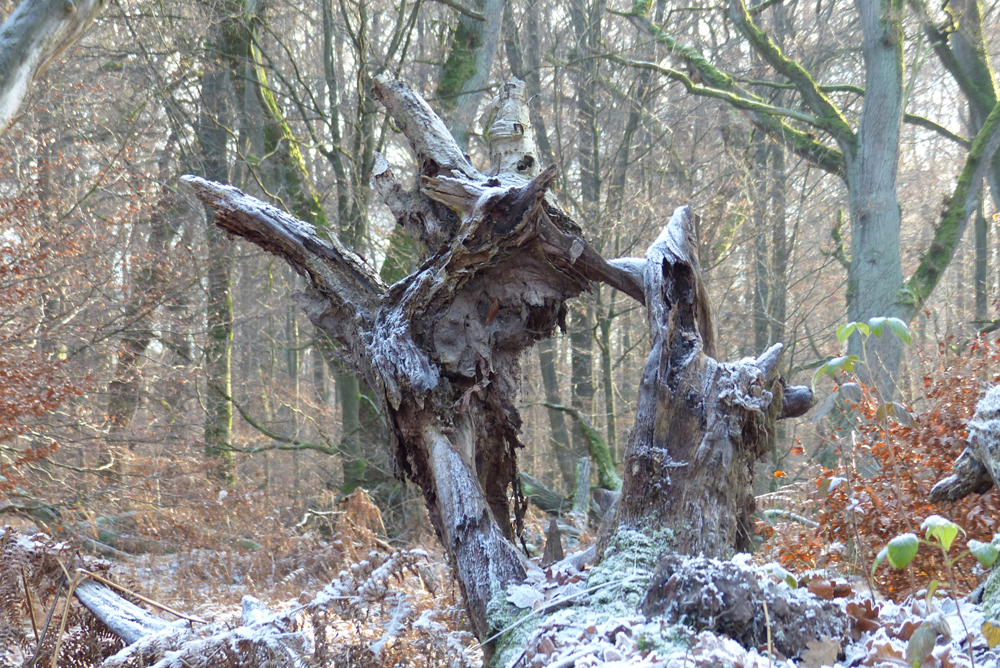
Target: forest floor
340	595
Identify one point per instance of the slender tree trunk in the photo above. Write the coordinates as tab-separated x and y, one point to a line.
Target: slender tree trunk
292	368
982	266
140	310
581	339
760	304
779	245
607	377
213	135
778	306
349	394
333	112
466	71
875	279
557	421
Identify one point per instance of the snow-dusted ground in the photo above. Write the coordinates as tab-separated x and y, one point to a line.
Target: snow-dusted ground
396	609
584	630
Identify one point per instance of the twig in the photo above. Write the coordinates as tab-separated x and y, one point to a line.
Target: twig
767	622
461	9
31	605
65	616
554	604
573	658
45	628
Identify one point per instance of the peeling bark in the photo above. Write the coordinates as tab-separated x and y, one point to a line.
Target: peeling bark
441	346
701	424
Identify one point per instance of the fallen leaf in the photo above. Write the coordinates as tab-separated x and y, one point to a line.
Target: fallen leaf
842	590
821	587
864	617
907	629
524	596
821	653
921	644
546	646
991	631
884	653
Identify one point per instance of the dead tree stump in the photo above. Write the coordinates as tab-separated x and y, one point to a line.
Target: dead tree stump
499	260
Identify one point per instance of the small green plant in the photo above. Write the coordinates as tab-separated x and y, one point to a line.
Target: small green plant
874	327
939	533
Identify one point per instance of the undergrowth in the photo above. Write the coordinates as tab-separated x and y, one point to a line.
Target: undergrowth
881	481
334	592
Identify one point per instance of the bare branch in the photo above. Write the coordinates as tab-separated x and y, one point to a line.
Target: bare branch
830	116
462	9
803	144
961	205
928	124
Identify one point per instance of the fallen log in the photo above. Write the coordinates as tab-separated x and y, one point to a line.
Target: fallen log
124	618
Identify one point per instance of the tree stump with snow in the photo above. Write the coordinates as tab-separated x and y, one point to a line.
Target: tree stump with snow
498	261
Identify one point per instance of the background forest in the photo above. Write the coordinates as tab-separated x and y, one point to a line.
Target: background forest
162	392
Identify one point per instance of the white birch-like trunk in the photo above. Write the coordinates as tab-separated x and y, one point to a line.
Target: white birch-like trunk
31	38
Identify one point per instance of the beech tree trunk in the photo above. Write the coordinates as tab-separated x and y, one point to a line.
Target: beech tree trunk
441	347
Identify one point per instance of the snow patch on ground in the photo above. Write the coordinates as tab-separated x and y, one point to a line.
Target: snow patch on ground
568	617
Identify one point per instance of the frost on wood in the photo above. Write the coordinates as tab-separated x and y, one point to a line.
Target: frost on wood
125	619
440	347
31	578
323	630
977	469
729	598
701	424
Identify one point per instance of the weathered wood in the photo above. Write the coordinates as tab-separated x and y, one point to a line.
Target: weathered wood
700	424
730	599
31	38
581	489
441	347
540	495
977	469
125	619
553	545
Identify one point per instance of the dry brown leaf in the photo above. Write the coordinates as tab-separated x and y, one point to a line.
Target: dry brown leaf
821	587
907	629
864	617
842	590
821	653
885	653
